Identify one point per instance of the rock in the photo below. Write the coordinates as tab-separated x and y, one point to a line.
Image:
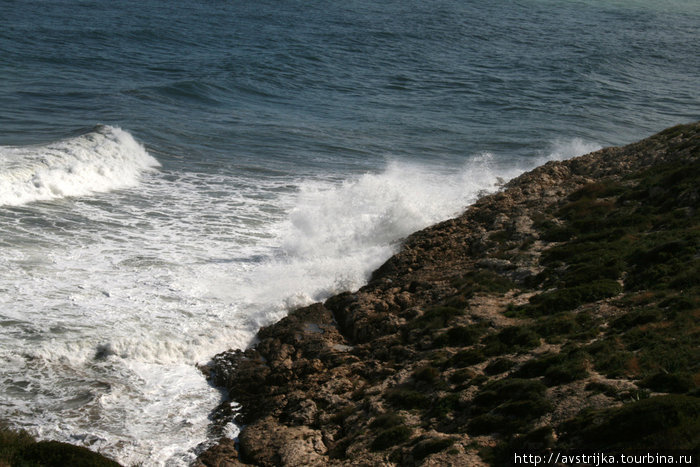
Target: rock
222	454
411	368
268	443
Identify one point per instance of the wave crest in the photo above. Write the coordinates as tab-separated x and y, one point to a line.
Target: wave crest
102	160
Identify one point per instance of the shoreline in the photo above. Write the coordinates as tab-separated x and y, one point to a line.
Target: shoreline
493	332
419	365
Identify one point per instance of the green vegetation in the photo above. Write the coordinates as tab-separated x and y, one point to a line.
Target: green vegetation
460	335
387	420
498	366
567	326
467	357
442	406
564	367
678	383
426	374
507	406
17	448
509	340
436	317
644	226
391	437
405	398
461	376
601	388
617	293
430	446
483	281
569	298
11	442
654	423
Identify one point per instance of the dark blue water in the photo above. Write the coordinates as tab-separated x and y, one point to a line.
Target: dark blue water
317	83
175	174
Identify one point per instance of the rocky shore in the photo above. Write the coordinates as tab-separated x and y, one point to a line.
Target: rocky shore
559	313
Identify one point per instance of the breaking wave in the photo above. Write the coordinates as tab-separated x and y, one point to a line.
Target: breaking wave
102	160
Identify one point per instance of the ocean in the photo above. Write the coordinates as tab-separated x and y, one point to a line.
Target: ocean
175	175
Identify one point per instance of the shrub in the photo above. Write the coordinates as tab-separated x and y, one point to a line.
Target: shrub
559	368
580	326
391	437
444	405
565	372
483	281
19	448
12	441
569	298
511	339
466	358
54	453
406	398
655	423
436	318
601	388
636	317
498	366
507	406
460	335
610	357
426	374
387	420
508	418
431	446
461	376
668	382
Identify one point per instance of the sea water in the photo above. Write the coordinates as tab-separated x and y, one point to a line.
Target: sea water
174	175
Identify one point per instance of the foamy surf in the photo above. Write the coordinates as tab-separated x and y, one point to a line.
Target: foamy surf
102	160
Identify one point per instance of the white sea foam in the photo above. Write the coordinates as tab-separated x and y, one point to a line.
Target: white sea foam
105	159
566	149
107	302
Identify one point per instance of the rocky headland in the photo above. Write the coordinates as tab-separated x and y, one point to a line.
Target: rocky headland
560	313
